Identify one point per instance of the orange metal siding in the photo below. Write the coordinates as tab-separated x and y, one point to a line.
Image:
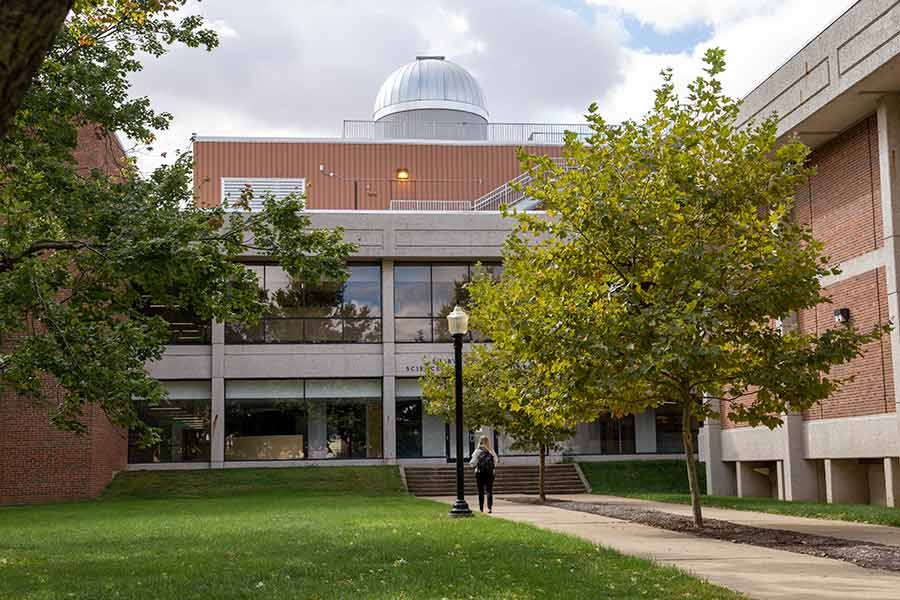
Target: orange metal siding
437	171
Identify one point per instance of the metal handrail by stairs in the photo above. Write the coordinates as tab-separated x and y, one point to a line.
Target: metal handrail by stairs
511	192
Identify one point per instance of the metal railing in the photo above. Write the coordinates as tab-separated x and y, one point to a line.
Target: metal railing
511	192
503	133
432	205
306	330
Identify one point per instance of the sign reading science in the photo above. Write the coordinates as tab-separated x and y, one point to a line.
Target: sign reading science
411	365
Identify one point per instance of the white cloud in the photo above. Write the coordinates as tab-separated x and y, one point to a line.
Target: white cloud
286	68
668	16
289	68
756	44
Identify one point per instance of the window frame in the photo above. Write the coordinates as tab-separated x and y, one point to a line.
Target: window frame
306	402
433	339
264	336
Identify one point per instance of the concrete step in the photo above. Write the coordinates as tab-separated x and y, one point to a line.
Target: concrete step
440	480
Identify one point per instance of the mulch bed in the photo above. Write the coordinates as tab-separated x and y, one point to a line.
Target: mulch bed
865	554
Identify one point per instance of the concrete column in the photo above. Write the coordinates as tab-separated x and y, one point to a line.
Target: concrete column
645	432
888	116
217	390
779	479
721	479
751	484
317	429
846	482
892	481
389	389
799	480
389	416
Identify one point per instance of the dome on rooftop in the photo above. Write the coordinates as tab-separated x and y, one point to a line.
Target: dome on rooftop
429	83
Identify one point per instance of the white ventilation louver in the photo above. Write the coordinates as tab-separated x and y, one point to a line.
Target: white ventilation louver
233	187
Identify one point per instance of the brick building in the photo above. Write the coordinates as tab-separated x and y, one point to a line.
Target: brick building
839	95
39	463
330	375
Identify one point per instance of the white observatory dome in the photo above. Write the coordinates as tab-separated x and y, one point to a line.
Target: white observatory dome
430	83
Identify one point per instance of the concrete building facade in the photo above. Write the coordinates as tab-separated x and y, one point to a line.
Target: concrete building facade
335	377
840	95
330	375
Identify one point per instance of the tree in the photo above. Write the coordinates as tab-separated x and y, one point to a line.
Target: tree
84	251
667	258
497	391
27	29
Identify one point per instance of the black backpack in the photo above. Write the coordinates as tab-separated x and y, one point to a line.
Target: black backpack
485	462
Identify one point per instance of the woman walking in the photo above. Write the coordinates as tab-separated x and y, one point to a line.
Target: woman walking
484	459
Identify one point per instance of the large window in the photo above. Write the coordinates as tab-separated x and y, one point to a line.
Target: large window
425	294
668	430
265	420
183	421
606	435
323	312
184	327
295	419
418	435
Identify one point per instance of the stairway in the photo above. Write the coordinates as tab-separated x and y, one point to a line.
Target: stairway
510	479
512	193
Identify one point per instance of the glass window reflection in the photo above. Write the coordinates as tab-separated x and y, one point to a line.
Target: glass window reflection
424	294
183	422
320	312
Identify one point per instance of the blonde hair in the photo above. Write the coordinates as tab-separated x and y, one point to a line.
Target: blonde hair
485	443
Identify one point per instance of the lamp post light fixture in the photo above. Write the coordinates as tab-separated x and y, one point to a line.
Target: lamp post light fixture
458	323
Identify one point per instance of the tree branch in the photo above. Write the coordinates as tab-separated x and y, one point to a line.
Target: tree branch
27	30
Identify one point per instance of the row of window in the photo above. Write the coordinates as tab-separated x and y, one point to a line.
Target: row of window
284	419
608	435
348	312
296	419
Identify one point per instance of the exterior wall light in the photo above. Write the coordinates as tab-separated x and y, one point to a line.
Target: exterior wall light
402	174
842	315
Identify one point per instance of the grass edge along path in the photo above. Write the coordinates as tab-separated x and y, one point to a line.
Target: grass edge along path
666	481
302	533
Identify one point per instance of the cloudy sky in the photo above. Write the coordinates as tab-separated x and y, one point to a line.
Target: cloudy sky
299	67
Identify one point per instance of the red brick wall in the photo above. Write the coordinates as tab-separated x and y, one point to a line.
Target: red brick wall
872	390
98	149
842	201
842	204
39	463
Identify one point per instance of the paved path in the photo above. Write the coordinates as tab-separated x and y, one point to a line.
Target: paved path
760	573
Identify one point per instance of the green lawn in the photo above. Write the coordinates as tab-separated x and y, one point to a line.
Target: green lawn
666	481
630	477
301	533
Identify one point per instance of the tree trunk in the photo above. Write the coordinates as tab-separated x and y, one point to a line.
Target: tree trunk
27	30
543	452
691	462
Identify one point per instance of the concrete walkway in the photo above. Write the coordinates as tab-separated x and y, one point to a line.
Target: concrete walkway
757	572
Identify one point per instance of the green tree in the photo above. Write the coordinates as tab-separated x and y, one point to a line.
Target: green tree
497	390
83	250
665	262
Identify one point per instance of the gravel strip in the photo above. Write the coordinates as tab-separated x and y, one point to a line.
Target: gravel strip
863	554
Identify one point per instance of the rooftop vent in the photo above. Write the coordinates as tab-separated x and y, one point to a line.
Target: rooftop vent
233	187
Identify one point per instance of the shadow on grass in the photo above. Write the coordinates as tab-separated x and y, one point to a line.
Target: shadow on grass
285	545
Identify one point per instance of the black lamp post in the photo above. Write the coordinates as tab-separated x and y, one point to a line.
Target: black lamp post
458	323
